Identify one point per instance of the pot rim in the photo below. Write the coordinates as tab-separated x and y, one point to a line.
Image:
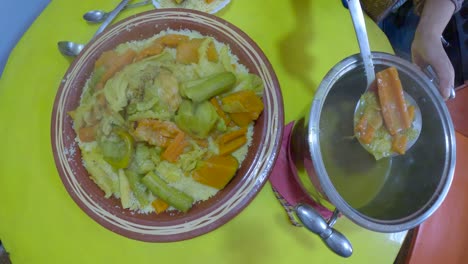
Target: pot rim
441	191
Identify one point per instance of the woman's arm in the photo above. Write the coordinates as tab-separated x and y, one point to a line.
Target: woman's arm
427	47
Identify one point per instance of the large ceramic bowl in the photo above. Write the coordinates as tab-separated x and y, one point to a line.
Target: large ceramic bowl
204	216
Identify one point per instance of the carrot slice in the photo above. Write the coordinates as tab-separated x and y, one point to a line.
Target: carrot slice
219	110
232	145
159	205
399	143
364	130
229	136
216	171
411	112
392	101
175	148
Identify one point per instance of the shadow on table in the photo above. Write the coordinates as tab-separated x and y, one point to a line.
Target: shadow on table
292	48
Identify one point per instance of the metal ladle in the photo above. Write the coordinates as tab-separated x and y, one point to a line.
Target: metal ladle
359	26
97	16
72	49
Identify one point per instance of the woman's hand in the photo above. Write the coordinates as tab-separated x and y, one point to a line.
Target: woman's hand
427	49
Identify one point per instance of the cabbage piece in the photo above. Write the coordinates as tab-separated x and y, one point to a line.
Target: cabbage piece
142	162
102	173
196	119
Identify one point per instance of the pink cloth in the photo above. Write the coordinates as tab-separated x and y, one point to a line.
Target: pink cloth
284	175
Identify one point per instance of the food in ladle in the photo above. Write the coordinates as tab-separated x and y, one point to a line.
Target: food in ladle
166	122
383	123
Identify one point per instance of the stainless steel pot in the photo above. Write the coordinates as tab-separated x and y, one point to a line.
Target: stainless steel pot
389	195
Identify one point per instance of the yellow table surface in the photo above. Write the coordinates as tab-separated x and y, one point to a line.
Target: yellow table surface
40	223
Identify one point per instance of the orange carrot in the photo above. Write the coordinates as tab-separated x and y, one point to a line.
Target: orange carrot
231	141
411	112
232	145
216	171
229	136
392	101
209	1
175	148
399	143
159	205
364	130
219	110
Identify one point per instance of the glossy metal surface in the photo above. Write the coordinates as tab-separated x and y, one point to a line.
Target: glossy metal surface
429	71
389	196
315	223
97	16
361	33
359	26
72	49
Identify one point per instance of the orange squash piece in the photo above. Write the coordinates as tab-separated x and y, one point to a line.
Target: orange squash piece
159	205
187	51
216	171
154	49
172	40
392	101
113	64
243	106
211	52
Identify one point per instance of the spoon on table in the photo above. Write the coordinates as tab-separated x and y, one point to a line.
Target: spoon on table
97	16
69	48
359	26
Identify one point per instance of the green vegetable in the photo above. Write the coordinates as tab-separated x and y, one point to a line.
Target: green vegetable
170	195
102	173
205	88
117	149
138	188
125	191
196	119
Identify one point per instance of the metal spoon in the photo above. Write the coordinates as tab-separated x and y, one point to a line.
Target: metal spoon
97	16
359	26
69	48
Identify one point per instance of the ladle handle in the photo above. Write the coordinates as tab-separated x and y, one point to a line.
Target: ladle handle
111	17
360	27
313	221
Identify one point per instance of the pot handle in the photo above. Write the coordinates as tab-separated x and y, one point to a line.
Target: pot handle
432	75
313	221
